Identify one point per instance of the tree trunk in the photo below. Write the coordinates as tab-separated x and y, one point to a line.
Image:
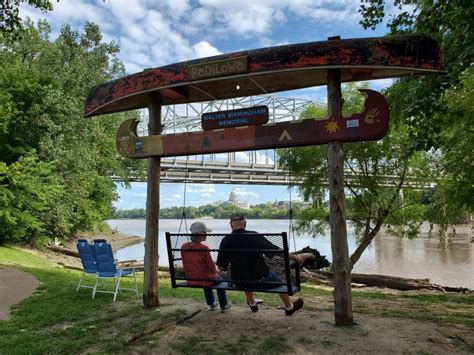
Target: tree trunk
150	282
340	250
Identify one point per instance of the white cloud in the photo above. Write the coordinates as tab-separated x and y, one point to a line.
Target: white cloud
205	49
326	11
178	8
242	157
262	158
242	192
221	157
317	94
200	17
138	195
127	13
201	188
153	34
243	18
69	11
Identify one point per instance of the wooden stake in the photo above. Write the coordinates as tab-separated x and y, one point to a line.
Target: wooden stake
340	251
150	283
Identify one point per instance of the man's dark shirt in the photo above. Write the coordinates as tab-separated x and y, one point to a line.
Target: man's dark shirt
247	266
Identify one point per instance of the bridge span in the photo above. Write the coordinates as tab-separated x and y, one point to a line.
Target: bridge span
200	169
250	167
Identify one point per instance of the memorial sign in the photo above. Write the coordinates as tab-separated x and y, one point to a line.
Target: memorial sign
233	118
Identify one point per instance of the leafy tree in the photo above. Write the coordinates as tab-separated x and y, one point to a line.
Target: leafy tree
453	198
420	100
435	108
9	15
43	89
267	210
375	175
27	193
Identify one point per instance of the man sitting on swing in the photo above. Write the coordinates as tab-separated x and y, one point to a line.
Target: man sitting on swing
252	266
197	263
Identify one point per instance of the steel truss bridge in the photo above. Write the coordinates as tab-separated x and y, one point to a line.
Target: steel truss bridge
251	167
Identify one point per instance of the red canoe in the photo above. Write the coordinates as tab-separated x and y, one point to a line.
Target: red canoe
268	70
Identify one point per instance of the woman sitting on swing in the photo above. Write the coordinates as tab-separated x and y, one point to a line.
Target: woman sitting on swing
199	265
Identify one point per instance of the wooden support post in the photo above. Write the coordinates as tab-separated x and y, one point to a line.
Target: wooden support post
150	283
340	251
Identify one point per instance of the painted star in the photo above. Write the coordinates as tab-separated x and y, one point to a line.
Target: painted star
331	126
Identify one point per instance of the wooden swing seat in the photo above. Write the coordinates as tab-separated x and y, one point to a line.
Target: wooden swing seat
287	271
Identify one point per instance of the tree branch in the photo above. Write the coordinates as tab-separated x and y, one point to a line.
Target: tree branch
161	327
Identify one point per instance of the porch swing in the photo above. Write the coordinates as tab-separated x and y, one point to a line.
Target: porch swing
273	246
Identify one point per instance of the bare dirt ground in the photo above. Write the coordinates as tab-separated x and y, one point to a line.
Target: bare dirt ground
309	331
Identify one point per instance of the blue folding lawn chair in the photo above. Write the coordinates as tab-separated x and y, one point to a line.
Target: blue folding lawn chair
107	268
86	253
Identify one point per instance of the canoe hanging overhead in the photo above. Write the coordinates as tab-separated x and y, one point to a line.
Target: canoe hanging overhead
268	70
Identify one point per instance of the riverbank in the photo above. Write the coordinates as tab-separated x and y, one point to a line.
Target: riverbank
51	319
116	239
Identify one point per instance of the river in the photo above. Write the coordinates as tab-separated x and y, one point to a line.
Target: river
388	255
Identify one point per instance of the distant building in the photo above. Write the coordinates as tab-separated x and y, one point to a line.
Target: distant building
234	199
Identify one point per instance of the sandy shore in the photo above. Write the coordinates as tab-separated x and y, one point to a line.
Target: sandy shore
117	241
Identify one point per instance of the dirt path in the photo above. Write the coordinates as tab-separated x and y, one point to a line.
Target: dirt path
15	286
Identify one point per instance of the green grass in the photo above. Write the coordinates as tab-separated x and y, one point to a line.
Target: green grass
57	319
442	308
421	298
274	345
17	257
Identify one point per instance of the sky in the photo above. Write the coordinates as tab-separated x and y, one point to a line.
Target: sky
156	33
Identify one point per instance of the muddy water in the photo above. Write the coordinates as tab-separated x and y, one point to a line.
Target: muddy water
388	255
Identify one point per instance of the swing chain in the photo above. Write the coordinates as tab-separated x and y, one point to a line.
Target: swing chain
291	228
183	213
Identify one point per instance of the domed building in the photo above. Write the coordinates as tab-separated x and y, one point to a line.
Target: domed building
234	199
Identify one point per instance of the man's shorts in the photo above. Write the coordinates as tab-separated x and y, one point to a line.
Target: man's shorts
263	283
271	277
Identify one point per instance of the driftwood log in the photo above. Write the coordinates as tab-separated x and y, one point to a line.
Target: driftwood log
393	282
312	258
63	250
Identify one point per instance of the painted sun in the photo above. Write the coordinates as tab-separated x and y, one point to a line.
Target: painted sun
332	127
